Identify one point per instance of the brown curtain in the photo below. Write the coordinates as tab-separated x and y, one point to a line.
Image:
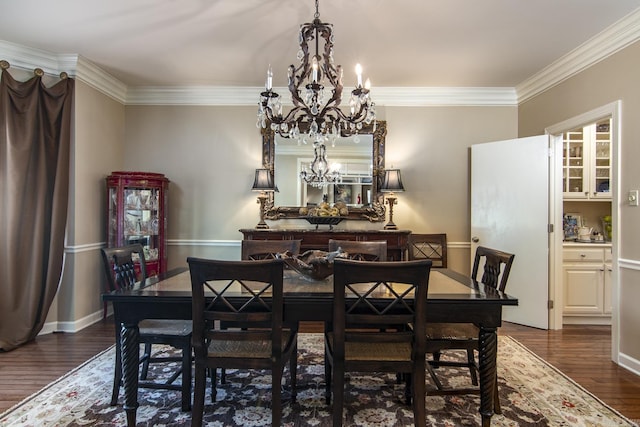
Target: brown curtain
35	139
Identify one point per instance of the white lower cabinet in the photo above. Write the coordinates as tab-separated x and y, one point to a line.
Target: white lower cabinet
586	277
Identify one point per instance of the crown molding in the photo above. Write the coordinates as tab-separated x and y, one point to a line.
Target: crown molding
96	77
28	58
613	39
444	96
389	96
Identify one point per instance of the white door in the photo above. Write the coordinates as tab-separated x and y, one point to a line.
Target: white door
510	212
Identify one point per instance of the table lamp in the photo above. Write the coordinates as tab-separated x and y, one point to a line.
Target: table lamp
391	184
263	183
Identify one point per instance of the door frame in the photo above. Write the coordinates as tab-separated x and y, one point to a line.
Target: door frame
613	110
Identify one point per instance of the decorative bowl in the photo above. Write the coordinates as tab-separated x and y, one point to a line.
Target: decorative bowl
329	220
313	264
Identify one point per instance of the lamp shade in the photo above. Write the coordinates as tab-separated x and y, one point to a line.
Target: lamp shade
392	181
263	181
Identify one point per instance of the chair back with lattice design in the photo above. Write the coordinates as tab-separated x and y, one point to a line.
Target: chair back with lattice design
497	266
121	263
370	294
268	249
361	250
236	292
428	246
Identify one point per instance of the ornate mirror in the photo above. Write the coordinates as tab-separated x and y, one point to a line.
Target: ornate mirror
361	162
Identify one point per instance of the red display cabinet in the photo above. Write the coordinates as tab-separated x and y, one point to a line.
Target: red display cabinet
137	213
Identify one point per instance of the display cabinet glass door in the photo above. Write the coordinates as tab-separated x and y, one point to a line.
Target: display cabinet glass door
137	215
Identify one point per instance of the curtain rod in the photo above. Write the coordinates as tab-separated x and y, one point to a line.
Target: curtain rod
38	71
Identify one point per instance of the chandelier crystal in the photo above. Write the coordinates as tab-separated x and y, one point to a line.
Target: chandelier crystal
316	109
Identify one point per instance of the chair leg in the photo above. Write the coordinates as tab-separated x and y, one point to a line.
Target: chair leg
214	383
338	392
293	372
276	395
433	376
117	372
496	398
197	411
186	377
145	364
471	359
327	379
436	359
408	389
418	393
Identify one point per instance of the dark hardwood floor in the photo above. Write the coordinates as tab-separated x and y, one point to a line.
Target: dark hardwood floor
581	352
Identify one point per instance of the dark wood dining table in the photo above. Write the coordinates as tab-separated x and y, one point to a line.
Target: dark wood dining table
452	297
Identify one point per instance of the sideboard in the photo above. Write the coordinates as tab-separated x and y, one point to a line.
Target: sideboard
319	239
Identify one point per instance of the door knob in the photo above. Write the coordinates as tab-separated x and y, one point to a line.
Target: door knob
475	239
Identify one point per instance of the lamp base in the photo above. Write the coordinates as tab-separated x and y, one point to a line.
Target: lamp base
262	226
390	226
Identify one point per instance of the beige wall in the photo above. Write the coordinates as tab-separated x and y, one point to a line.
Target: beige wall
615	78
210	154
97	149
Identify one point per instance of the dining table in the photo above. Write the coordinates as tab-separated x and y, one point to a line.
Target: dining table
452	298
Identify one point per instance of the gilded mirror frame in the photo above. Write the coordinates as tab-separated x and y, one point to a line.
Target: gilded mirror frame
375	212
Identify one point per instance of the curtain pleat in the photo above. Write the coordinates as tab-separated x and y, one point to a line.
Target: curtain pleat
35	140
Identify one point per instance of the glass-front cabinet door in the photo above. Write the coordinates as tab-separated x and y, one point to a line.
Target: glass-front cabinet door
586	171
137	206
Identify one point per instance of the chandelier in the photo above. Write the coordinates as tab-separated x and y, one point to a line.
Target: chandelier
316	108
321	172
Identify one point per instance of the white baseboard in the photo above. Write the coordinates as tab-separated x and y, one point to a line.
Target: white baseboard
73	326
629	363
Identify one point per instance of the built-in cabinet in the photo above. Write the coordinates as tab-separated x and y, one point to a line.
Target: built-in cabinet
586	168
137	213
586	271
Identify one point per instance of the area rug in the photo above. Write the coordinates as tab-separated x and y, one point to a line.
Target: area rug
532	393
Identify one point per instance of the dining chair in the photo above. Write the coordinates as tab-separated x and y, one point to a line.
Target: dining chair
268	249
121	272
361	250
253	250
381	293
464	336
262	342
428	246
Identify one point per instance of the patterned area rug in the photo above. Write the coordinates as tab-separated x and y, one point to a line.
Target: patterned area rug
532	393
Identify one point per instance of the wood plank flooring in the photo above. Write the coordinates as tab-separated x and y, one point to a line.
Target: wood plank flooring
581	352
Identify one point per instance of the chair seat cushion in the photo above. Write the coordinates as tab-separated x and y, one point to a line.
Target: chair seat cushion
372	351
165	327
252	349
449	331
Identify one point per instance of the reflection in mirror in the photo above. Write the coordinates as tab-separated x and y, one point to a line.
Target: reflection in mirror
361	174
350	156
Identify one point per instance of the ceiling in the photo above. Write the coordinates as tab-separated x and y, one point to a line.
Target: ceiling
400	43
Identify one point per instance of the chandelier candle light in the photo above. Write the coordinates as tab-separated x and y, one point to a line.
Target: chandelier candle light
316	111
263	183
392	184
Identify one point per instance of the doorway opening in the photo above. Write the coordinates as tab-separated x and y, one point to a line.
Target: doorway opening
580	195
